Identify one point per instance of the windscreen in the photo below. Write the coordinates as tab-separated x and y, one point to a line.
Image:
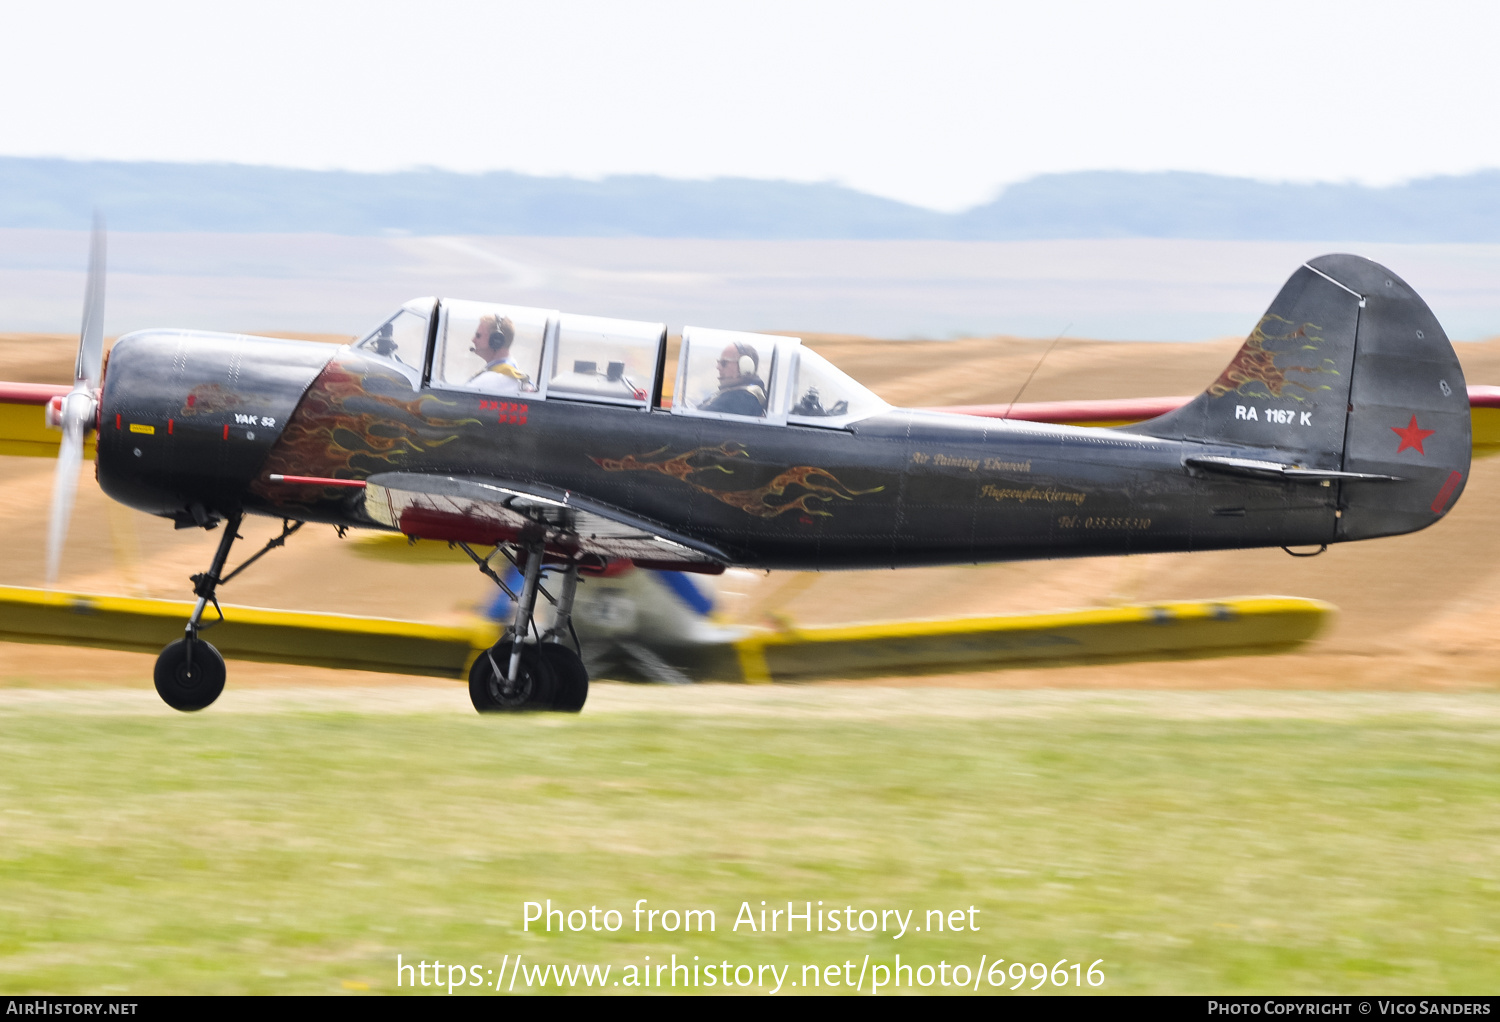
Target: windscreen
824	395
402	338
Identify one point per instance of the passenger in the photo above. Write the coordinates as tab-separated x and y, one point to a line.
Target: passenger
741	390
500	375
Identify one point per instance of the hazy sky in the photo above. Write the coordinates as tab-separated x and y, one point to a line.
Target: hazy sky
934	103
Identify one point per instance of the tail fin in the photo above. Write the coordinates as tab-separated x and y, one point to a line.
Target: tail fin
1348	371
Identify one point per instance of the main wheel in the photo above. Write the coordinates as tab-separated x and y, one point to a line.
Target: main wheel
489	692
189	686
571	678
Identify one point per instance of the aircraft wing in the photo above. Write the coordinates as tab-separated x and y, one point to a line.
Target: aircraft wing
470	510
1205	628
341	641
1484	411
1111	412
23	420
1236	625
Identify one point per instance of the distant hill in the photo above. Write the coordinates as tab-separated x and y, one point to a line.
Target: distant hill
54	193
1114	204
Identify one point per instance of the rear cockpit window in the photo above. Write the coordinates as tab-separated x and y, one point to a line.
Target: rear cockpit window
823	395
727	374
492	349
613	361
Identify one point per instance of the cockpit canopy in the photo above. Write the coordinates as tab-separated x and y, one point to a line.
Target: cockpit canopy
724	374
541	354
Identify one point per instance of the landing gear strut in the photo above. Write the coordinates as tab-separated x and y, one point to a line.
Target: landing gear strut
517	674
190	673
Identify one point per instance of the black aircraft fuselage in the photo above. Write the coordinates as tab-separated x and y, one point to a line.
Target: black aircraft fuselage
1344	417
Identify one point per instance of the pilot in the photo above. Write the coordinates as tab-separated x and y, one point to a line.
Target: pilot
741	390
500	375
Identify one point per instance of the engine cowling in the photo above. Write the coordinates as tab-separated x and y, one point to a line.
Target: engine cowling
187	418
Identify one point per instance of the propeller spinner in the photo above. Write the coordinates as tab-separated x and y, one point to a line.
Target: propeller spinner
78	408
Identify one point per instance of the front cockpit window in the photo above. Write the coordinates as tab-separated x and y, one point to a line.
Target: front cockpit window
402	339
493	349
823	395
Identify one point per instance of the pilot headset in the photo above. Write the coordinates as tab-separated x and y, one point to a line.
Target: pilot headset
748	360
502	333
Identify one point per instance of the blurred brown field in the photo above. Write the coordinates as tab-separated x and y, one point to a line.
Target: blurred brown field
1416	612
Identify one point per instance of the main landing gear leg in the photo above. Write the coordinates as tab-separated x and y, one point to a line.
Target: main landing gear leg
571	677
190	673
515	674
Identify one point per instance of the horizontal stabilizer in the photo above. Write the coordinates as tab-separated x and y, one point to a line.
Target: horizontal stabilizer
1254	469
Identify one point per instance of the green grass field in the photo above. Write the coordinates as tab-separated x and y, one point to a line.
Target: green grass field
1196	842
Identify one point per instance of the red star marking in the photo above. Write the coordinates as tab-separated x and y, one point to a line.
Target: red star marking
1412	436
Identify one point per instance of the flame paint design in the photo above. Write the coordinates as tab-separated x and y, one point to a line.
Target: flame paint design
1256	362
761	501
355	420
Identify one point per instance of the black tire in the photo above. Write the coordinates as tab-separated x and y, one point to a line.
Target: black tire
570	678
185	686
533	688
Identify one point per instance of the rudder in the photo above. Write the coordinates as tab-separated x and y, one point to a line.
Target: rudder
1408	408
